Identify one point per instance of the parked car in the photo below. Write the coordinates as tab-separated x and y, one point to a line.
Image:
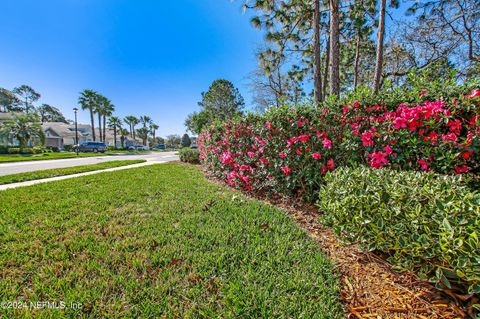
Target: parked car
92	147
160	146
194	146
138	148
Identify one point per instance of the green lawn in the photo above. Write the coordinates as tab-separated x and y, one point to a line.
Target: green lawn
44	156
158	241
28	176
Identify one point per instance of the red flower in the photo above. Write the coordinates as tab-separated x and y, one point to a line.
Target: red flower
282	155
345	109
286	170
303	138
422	93
461	169
264	161
300	123
331	164
268	125
423	164
324	169
367	138
250	154
316	156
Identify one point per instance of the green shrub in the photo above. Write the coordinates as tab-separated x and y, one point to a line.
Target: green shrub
53	149
189	155
423	222
3	149
14	150
68	148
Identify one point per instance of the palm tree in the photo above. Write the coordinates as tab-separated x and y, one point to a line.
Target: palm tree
123	136
135	122
99	109
24	127
108	109
145	120
153	128
115	123
88	100
143	134
130	120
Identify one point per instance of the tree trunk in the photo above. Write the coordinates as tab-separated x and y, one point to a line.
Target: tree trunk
357	60
317	72
115	137
92	120
100	127
133	129
104	128
325	69
334	48
380	37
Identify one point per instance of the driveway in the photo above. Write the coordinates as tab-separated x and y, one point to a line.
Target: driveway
29	166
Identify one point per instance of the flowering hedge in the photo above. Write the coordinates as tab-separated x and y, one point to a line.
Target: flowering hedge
288	150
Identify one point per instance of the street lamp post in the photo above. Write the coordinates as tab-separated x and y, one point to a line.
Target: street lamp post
76	130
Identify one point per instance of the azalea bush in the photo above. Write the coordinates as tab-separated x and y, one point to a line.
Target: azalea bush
290	149
422	221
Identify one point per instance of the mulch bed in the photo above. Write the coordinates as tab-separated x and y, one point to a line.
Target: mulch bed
370	287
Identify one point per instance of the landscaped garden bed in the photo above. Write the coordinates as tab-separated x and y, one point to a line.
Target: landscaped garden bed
295	151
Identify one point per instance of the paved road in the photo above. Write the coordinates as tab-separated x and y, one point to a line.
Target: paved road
29	166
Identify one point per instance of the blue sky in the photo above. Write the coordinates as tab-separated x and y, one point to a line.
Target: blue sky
150	57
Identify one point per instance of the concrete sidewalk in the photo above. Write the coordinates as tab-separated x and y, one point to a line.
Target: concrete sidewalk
58	178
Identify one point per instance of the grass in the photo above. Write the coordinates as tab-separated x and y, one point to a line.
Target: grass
4	158
158	241
28	176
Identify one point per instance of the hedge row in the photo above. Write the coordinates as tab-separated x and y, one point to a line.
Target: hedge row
423	222
290	149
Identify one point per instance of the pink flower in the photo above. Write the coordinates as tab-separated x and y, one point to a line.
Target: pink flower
378	159
450	137
264	161
324	169
300	123
422	93
286	170
268	125
474	93
316	156
282	155
423	164
327	143
345	109
356	104
388	150
250	154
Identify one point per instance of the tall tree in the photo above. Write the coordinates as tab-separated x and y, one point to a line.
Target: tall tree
9	102
88	101
186	142
143	134
108	109
153	131
115	123
317	65
222	101
130	120
334	47
99	110
380	38
50	113
123	135
28	96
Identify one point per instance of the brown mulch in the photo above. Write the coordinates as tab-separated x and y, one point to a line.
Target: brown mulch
370	287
